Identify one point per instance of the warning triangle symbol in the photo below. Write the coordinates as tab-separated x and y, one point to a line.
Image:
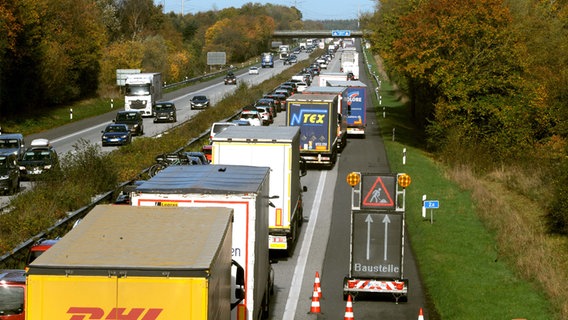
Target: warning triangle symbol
378	195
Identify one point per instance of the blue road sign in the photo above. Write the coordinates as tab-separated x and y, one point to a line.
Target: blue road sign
340	33
432	204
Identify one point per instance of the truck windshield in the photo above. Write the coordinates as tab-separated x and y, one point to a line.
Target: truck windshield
137	90
11	300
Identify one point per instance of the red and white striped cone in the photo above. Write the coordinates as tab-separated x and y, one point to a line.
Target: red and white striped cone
349	309
317	284
315	307
420	315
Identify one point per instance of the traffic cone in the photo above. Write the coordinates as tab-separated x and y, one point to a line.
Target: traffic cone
315	308
349	309
317	284
420	315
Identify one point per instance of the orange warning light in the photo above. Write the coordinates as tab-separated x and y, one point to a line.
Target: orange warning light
353	179
404	180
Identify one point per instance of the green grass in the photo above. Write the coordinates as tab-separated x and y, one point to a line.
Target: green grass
458	257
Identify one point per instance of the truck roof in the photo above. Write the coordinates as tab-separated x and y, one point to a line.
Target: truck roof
318	89
211	179
258	134
345	83
312	97
140	240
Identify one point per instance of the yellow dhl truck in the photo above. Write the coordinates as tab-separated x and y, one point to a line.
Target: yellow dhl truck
124	262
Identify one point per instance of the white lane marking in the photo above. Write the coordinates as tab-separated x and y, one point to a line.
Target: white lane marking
296	285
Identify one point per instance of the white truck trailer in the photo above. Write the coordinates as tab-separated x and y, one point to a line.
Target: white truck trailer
350	62
279	149
245	190
143	90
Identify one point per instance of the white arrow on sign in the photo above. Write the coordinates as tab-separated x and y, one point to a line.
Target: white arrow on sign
369	220
386	221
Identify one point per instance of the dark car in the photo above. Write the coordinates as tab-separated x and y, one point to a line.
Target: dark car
200	156
279	99
116	134
230	78
199	102
133	119
165	112
9	174
38	159
287	61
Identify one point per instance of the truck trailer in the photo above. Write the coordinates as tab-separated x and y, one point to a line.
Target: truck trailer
123	262
342	107
356	105
350	61
143	90
317	117
279	149
241	188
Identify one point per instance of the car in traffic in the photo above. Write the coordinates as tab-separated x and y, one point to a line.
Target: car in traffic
39	248
165	112
265	115
293	59
12	143
133	120
12	294
199	102
252	115
287	61
230	78
116	134
197	157
269	102
9	174
279	100
38	159
254	70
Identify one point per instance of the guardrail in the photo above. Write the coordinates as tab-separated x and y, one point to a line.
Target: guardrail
17	256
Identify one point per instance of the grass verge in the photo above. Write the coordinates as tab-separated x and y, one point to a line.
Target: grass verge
471	260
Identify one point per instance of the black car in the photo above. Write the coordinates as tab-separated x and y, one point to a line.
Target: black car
199	102
133	119
9	174
38	159
230	78
116	134
287	61
165	112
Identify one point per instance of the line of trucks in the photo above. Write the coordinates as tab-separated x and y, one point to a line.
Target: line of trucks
167	255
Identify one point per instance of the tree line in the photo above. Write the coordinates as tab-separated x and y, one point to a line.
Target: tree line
487	82
54	52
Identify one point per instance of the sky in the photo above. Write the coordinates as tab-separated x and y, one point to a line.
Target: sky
311	9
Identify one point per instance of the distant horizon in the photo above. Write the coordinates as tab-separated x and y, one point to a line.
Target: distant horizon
311	10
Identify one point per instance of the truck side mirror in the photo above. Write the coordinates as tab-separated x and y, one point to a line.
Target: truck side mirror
240	284
303	169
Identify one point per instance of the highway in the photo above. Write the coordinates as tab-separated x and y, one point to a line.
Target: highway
323	245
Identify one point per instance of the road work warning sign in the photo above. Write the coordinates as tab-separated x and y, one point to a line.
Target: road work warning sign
378	192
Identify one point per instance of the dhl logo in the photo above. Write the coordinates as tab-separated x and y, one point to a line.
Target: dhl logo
93	313
309	116
354	97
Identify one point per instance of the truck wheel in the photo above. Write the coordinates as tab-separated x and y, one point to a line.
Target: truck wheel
155	169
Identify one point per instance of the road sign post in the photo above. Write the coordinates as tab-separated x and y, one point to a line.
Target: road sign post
431	204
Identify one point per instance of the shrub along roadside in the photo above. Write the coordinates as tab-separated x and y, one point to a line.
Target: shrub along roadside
467	267
89	171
